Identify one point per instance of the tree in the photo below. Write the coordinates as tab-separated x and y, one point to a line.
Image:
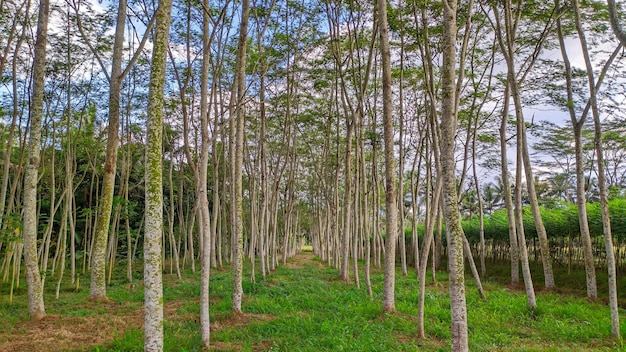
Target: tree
615	25
36	308
606	221
153	280
391	216
205	230
578	123
507	38
237	207
97	290
448	166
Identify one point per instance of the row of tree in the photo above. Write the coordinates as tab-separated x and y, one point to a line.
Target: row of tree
235	130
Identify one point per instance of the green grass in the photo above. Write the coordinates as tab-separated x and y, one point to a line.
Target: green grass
308	309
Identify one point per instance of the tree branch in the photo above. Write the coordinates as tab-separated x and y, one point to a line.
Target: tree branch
79	23
617	29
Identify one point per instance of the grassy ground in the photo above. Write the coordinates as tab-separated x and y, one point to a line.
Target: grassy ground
302	307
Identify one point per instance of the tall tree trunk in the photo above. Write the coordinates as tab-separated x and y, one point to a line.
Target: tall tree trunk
481	212
519	225
347	201
153	276
237	207
581	199
448	167
511	26
604	195
36	307
506	191
97	291
432	220
391	216
542	235
205	231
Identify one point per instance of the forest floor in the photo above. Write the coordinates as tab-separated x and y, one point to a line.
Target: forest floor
302	306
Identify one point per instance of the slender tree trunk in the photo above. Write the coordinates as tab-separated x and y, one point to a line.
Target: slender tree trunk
544	245
97	290
604	194
519	227
391	226
36	307
467	250
581	199
153	277
174	248
238	166
481	213
450	203
205	232
347	202
506	190
433	217
129	240
513	81
401	156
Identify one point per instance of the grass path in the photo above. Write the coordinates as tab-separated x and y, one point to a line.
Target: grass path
303	307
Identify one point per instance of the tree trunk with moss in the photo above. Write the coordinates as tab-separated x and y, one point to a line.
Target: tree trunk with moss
97	291
153	277
238	166
448	166
36	308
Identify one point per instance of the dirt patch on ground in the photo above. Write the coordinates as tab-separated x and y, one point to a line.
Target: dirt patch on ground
63	333
60	333
69	333
302	260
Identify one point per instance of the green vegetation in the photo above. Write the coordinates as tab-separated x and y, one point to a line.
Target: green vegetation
303	307
560	220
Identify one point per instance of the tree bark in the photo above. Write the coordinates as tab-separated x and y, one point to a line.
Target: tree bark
391	217
519	226
238	166
205	232
450	204
604	194
36	308
97	291
153	277
615	25
581	199
506	191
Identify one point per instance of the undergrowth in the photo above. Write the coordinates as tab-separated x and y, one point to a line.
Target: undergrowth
304	307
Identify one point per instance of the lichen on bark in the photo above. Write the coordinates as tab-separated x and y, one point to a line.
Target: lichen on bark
153	278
